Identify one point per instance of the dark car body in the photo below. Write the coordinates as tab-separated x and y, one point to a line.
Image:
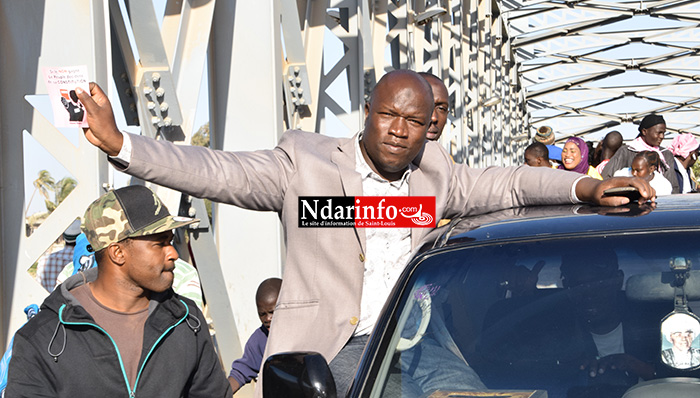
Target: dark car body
562	301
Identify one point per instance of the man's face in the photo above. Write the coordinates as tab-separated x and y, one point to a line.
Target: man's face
682	340
593	292
654	134
150	261
266	308
640	168
395	124
439	117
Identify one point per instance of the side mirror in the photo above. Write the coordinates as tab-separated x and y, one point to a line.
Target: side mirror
297	375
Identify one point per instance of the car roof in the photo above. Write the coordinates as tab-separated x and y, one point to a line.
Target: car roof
675	212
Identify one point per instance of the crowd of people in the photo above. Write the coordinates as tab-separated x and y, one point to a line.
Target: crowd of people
335	282
668	170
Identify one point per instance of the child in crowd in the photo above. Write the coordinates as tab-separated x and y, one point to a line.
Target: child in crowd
245	369
645	165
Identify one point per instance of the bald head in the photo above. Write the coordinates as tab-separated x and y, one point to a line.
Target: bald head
268	289
394	78
611	143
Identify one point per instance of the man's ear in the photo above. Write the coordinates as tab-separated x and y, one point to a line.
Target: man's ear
366	112
116	253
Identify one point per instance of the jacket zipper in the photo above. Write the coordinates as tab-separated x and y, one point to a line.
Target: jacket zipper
132	393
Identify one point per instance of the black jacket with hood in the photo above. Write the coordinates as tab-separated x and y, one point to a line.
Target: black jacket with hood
61	352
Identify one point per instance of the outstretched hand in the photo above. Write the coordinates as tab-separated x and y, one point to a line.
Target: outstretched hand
591	190
103	132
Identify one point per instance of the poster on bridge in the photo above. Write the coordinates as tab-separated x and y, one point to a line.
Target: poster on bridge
61	83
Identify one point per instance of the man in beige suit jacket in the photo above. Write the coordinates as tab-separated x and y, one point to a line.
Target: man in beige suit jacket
320	300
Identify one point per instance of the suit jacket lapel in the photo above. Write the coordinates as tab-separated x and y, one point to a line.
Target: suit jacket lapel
344	159
418	185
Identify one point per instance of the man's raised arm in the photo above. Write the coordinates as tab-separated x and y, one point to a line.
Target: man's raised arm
103	132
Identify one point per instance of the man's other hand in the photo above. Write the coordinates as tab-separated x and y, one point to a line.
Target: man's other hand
591	190
103	132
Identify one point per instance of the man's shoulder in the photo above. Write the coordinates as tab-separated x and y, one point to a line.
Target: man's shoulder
259	334
306	137
37	328
624	150
432	154
301	146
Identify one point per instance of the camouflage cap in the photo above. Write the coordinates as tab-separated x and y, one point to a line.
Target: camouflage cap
126	213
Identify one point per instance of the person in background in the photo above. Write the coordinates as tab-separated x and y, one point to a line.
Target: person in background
246	368
545	135
685	152
537	155
618	351
48	267
645	165
83	259
606	149
574	157
651	133
438	119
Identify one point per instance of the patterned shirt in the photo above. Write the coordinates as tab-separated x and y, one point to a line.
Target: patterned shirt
49	266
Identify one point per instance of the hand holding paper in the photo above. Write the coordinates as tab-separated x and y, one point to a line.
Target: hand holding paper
103	131
61	83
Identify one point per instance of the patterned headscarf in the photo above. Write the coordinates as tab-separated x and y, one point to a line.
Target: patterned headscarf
582	166
683	145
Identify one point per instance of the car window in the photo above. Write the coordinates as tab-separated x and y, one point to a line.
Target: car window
567	316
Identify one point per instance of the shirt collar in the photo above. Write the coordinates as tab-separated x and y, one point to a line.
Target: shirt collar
365	171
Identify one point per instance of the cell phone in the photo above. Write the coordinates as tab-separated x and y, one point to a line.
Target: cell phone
629	192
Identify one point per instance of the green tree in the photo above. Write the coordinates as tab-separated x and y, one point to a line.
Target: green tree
201	137
61	190
43	184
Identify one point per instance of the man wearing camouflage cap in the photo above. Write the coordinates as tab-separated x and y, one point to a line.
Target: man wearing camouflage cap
119	329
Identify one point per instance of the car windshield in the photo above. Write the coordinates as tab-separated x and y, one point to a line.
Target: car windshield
573	317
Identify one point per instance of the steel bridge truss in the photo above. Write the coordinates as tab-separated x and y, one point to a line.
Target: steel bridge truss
589	67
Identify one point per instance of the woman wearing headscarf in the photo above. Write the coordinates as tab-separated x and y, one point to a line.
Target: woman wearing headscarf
574	157
651	133
685	152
